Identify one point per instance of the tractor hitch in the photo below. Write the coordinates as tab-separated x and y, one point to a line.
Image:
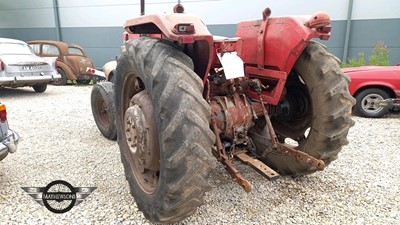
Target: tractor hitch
231	117
221	155
390	103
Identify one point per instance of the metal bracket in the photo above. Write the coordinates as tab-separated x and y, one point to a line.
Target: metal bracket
224	159
259	166
302	156
285	149
261	38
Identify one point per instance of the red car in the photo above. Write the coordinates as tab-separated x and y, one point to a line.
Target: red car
370	84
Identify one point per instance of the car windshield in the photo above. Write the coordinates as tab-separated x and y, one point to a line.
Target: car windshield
14	49
74	51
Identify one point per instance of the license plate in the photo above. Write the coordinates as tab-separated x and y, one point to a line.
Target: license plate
30	68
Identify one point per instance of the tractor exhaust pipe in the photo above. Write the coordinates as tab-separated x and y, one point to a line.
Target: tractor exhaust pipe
141	7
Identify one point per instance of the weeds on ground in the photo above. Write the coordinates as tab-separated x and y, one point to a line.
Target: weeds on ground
379	57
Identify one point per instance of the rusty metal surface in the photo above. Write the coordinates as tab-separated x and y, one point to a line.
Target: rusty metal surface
261	39
391	103
259	166
148	144
73	65
142	139
230	112
287	149
301	156
271	131
221	155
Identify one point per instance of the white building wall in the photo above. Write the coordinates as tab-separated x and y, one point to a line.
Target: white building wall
26	14
100	13
105	13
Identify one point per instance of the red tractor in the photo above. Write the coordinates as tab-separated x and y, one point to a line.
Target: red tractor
270	97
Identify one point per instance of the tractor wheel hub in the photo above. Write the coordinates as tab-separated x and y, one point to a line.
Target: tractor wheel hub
141	133
136	134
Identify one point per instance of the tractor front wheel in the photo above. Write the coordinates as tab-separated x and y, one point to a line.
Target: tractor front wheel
102	103
163	129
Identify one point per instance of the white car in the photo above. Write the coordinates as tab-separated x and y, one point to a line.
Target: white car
109	70
19	66
8	138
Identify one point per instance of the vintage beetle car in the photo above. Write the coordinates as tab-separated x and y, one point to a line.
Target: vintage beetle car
19	66
72	61
8	138
372	84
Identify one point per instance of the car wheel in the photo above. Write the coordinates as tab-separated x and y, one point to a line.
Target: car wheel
39	88
62	80
367	106
96	80
111	77
102	103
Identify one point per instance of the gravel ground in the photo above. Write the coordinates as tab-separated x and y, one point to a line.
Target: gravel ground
60	141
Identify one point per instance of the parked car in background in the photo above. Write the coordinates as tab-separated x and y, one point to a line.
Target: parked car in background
109	67
372	84
72	61
109	70
8	138
19	66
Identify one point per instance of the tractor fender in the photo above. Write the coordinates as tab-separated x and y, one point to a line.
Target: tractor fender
186	30
284	39
172	26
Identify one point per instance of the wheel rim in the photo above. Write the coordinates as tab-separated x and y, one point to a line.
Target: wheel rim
102	110
141	137
369	103
294	124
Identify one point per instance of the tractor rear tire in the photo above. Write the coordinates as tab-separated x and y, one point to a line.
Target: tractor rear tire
176	188
321	129
102	103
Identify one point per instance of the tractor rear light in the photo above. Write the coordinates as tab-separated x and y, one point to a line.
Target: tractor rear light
3	113
325	29
187	39
2	65
319	20
184	28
